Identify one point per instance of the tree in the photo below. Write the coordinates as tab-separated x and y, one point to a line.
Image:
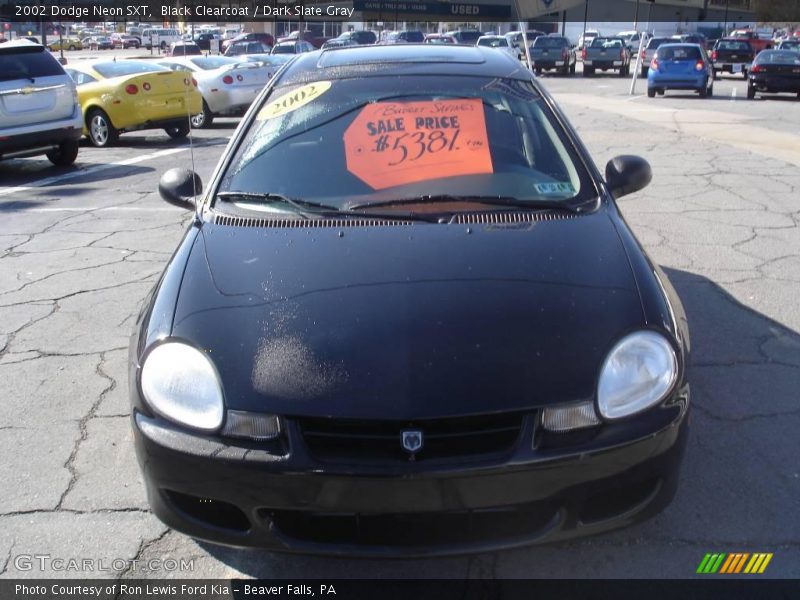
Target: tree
771	11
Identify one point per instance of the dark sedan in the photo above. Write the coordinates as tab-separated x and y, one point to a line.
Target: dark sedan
408	319
774	72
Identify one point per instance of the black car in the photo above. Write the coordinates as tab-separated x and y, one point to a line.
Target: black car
203	40
733	56
352	38
443	338
774	72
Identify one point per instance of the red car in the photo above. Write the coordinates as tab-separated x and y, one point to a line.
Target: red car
756	43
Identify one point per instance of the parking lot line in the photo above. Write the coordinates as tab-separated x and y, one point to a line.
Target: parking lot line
99	168
103	209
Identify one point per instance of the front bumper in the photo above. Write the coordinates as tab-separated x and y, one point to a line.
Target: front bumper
239	494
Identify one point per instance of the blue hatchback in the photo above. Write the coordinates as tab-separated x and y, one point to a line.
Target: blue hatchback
680	67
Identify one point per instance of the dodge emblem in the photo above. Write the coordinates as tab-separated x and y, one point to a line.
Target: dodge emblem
411	440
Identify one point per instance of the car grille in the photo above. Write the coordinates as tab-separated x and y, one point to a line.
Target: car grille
416	530
375	441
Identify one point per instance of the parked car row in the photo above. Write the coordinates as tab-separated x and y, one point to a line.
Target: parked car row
45	108
689	67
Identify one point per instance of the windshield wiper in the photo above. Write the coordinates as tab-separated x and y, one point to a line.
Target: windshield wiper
490	200
306	207
300	205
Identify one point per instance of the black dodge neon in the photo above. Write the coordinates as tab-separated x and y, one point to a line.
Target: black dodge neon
408	319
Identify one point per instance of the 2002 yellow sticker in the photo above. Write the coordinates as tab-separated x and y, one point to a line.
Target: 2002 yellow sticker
293	100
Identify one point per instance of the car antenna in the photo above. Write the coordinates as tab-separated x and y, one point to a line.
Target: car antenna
187	87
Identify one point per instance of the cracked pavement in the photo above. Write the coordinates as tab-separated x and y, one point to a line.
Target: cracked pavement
78	254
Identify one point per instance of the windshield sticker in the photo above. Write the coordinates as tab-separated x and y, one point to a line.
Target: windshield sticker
395	143
293	100
558	187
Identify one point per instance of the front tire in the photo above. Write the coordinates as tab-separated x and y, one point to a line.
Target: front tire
703	91
71	48
65	154
102	132
751	92
651	92
203	120
179	131
588	71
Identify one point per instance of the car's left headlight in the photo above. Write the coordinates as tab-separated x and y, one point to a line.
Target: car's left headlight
180	383
637	374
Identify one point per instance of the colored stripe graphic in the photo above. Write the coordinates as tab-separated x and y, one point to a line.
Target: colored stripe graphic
703	563
765	563
741	562
731	560
734	563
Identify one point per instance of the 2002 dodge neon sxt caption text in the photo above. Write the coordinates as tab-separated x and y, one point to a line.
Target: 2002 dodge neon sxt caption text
408	319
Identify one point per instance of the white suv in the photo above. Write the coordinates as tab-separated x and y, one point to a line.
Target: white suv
39	110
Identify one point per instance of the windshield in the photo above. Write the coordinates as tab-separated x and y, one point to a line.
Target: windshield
656	42
26	62
126	67
493	42
732	45
208	63
371	140
679	53
289	48
606	43
550	42
778	57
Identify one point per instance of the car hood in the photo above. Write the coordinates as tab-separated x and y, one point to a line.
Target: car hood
407	321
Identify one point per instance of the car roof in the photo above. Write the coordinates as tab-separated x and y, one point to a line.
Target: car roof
18	43
406	59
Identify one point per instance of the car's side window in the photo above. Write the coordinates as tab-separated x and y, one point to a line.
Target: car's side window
79	77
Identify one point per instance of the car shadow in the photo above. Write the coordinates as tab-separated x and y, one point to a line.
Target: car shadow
741	454
780	98
45	177
19	205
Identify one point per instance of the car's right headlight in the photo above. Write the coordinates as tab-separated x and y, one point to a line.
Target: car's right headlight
180	383
637	374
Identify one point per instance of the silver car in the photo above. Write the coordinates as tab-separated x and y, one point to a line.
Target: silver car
39	110
649	52
228	85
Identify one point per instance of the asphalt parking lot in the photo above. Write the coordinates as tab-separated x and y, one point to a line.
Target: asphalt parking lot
80	248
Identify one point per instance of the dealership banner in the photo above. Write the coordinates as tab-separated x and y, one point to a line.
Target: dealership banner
742	588
239	11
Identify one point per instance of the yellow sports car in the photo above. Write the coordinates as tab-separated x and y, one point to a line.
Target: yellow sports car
67	43
129	95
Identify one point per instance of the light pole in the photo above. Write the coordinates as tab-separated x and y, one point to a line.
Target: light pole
585	17
636	17
725	28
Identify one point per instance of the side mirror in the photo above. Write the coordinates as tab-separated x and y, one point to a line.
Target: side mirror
179	187
627	174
